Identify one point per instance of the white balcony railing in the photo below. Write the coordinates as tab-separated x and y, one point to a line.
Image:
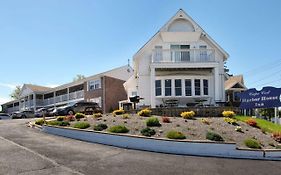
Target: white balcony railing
76	95
183	55
65	97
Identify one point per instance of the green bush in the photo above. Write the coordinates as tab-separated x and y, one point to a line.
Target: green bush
175	135
58	123
78	116
118	129
152	121
100	127
213	136
81	125
148	132
39	122
60	118
252	143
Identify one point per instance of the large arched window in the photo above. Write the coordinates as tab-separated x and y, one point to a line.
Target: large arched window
181	25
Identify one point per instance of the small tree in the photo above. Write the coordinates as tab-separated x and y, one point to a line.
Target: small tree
16	93
78	77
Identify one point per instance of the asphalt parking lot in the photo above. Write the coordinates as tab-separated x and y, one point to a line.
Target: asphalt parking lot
25	150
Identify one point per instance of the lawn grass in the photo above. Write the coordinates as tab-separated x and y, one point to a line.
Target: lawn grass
261	123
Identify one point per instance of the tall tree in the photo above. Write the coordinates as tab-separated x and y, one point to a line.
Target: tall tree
16	93
78	77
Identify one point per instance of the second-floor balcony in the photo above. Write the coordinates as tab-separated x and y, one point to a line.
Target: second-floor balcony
65	97
183	55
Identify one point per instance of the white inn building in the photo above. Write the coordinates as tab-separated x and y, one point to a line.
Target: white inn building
181	62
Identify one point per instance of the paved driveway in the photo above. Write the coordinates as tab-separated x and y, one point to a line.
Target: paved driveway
29	151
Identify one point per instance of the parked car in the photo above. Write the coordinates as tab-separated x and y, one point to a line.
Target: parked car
39	112
15	115
4	116
26	114
81	107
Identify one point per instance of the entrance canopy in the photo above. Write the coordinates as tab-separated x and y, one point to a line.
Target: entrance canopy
268	97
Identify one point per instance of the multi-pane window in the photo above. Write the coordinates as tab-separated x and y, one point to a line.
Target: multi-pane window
197	87
178	87
158	89
94	84
188	87
168	87
205	87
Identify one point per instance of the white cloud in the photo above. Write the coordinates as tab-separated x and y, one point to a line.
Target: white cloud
7	85
4	100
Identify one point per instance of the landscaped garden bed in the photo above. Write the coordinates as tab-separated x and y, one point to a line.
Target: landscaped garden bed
241	130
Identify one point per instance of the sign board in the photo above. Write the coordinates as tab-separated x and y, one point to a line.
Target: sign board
268	97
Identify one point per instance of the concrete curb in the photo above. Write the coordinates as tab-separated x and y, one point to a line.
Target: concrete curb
194	148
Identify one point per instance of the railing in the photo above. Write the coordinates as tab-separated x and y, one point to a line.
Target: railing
65	97
76	95
49	101
183	55
13	109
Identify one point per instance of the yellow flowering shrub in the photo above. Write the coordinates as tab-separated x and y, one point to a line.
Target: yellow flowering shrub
118	112
145	113
188	114
228	113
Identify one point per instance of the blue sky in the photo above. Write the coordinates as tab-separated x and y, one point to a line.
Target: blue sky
48	42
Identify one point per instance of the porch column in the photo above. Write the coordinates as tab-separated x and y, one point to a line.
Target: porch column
34	102
28	102
152	92
217	84
55	99
67	94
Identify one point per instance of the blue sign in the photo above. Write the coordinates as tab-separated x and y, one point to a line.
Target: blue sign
268	97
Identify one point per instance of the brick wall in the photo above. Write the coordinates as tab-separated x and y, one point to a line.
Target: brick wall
114	92
111	92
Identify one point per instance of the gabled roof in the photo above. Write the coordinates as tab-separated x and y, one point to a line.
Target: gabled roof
181	14
37	88
234	81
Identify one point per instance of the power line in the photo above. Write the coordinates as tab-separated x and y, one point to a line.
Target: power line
270	82
261	79
263	69
264	66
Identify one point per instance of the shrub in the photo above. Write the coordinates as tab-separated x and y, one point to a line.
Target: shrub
118	112
166	120
148	132
118	129
69	118
205	121
97	115
60	118
125	116
188	114
145	113
251	122
230	121
228	113
213	136
252	143
238	129
175	135
81	125
58	123
100	127
78	116
152	121
39	122
277	136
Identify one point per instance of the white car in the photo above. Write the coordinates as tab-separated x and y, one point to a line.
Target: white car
4	116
